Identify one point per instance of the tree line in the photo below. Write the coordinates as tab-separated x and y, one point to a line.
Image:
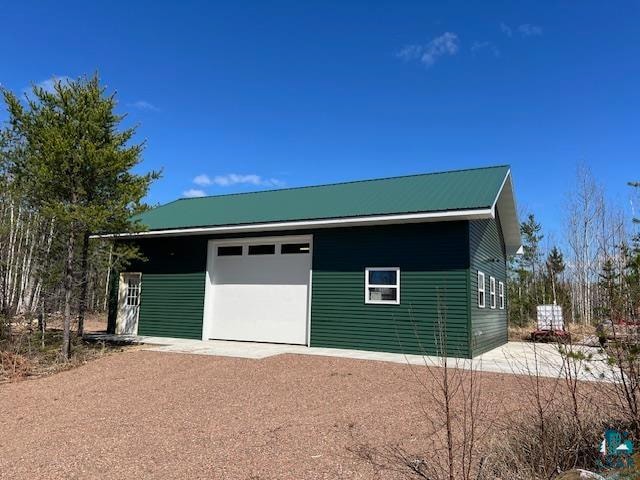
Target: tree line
67	170
593	272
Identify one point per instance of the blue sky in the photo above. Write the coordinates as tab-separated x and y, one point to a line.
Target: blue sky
241	96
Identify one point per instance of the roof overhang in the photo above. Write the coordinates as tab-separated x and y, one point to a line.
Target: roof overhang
449	215
504	207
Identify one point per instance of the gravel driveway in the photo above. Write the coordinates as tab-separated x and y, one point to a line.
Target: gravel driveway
142	414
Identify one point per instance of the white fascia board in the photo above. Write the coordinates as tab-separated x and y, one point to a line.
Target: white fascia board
495	200
476	214
509	220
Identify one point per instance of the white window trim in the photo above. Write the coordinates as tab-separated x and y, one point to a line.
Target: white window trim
367	285
482	299
123	290
501	294
492	293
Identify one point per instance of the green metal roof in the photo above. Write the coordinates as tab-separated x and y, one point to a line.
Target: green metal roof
432	192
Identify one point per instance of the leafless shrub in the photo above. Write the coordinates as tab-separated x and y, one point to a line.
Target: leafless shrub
558	426
622	353
14	357
14	365
562	421
454	409
534	447
455	412
28	353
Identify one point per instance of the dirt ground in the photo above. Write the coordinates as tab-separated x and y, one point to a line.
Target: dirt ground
93	323
142	414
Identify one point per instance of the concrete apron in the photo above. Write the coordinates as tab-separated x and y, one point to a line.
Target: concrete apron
518	358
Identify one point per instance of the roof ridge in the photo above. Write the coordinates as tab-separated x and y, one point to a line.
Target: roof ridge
349	182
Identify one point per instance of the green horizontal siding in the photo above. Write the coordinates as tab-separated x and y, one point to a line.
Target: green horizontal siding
172	305
433	260
488	326
173	280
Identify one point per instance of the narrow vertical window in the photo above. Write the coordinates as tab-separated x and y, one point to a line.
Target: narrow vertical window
492	291
481	290
501	294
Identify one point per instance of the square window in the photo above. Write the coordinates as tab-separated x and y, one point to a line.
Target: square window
382	285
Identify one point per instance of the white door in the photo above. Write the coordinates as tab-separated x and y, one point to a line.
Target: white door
128	304
260	290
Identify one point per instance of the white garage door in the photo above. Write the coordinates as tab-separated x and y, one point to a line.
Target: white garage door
259	290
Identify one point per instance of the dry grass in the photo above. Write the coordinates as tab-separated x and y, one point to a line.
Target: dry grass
94	322
579	332
536	445
27	354
521	333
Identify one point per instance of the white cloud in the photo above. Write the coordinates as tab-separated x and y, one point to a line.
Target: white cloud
48	84
528	30
238	179
202	180
525	30
506	29
143	105
478	47
193	192
410	52
445	44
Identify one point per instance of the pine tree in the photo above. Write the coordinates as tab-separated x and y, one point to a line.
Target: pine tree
555	266
524	272
531	236
77	167
608	281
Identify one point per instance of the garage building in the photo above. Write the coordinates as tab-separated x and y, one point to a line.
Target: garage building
401	264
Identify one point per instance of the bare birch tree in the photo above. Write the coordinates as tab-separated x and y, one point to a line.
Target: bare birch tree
585	212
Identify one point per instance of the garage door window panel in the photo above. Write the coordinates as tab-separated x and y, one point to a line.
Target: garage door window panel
269	249
294	248
230	251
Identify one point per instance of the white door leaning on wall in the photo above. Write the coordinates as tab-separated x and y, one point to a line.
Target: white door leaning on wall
128	304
